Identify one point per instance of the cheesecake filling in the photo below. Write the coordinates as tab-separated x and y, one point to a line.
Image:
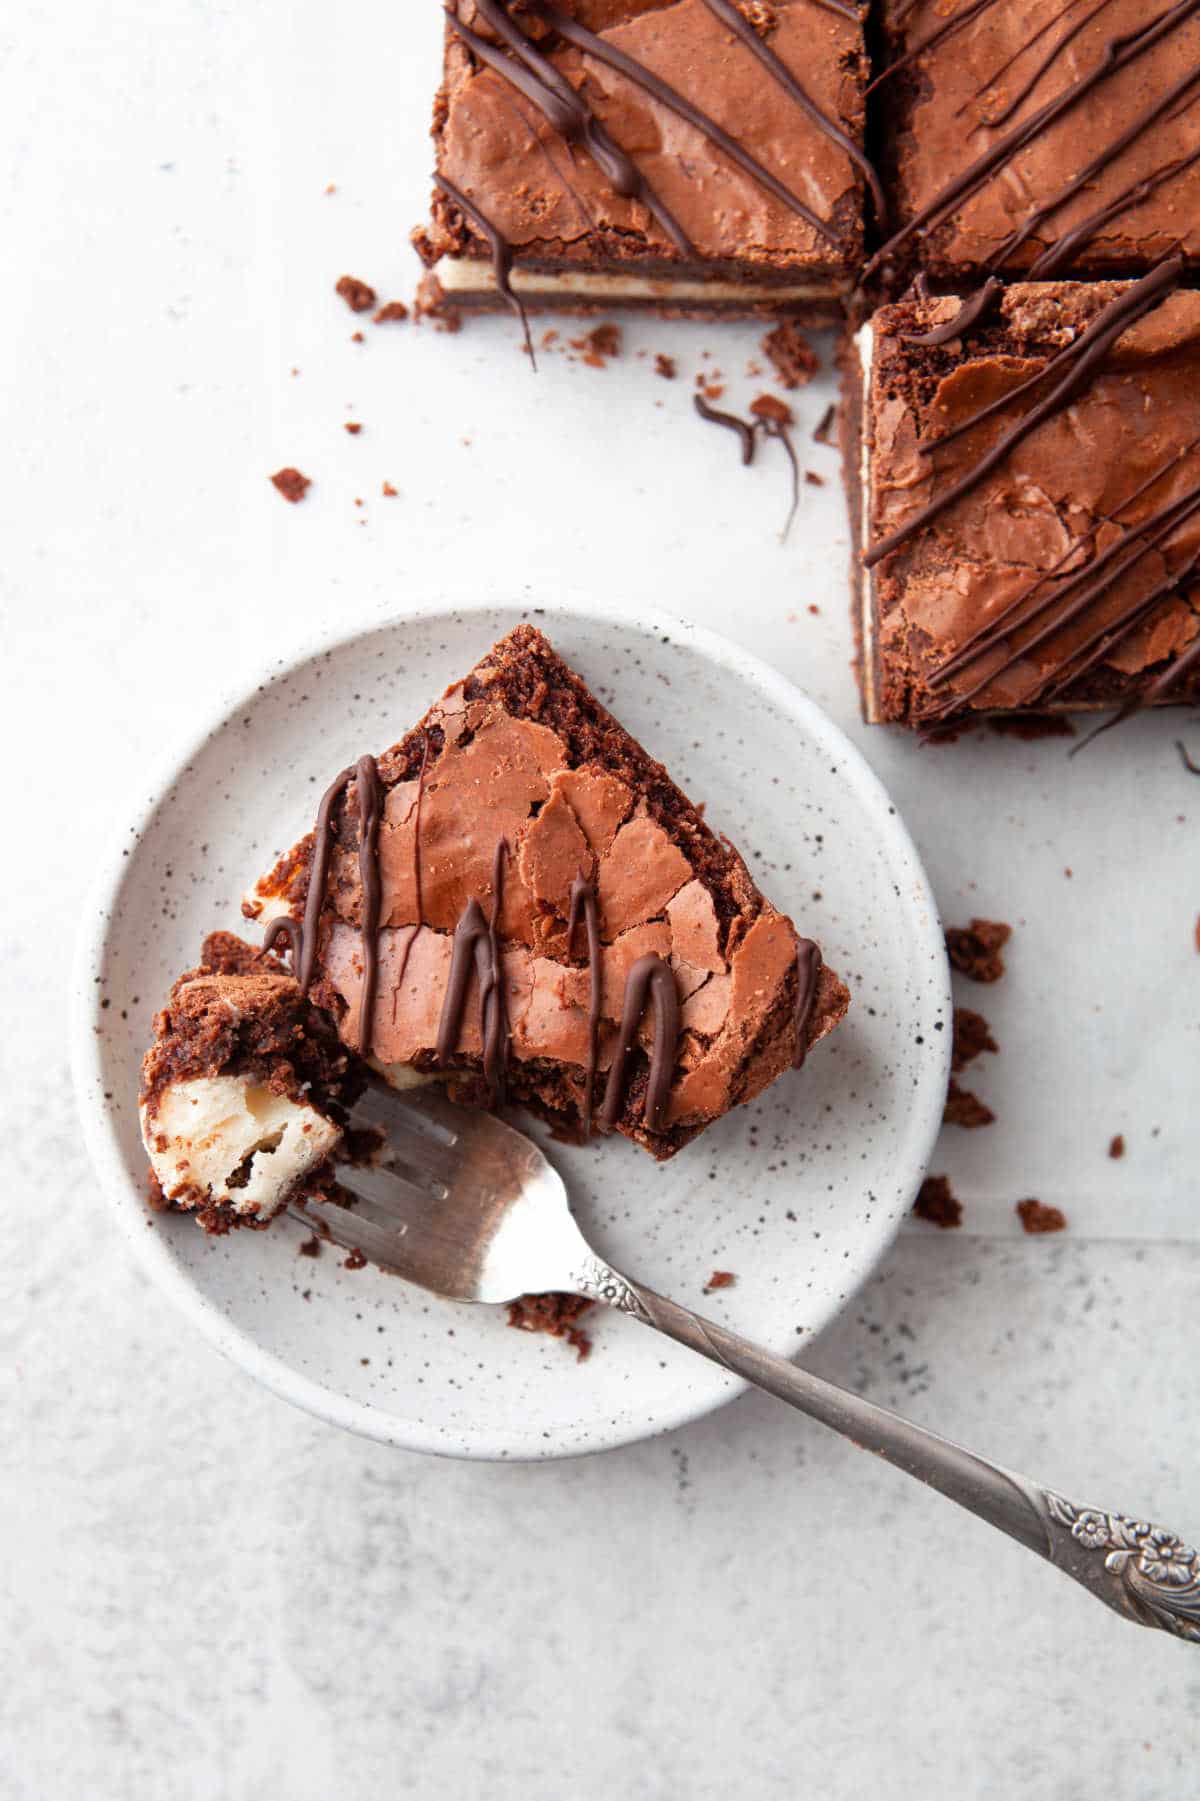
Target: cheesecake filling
230	1142
467	276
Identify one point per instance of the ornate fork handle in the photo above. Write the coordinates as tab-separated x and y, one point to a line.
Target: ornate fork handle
1140	1570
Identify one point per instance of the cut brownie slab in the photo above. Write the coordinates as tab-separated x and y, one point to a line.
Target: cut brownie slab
244	1089
694	156
1026	486
516	897
1039	139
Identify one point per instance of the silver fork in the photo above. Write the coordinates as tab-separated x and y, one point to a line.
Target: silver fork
464	1205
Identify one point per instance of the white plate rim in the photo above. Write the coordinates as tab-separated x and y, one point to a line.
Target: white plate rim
100	1137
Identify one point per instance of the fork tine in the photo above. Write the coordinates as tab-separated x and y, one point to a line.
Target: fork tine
388	1190
350	1231
409	1138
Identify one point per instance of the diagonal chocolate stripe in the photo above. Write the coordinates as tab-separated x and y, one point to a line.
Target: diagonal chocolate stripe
678	103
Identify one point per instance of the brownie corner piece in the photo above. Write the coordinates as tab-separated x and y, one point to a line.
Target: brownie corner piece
1026	489
702	157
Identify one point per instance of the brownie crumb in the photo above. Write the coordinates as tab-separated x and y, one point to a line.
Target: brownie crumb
388	492
555	1314
813	479
974	950
359	296
310	1247
794	360
355	1260
720	1278
156	1200
937	1204
352	426
394	312
1116	1145
769	406
972	1036
597	345
1037	1217
1197	932
824	431
291	484
965	1109
665	366
1028	727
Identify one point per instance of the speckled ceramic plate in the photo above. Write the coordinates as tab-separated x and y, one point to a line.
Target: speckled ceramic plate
798	1194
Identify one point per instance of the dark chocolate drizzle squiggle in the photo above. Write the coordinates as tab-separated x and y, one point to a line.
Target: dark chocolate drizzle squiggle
1059	254
535	76
998	74
502	254
776	67
476	947
370	795
996	628
1118	54
1079	359
808	981
936	36
314	900
583	902
648	979
1149	116
749	431
284	926
678	103
969	313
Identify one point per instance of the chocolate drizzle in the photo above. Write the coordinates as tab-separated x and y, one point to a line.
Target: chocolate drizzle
314	900
1060	253
1078	361
370	796
808	981
1118	53
667	96
748	432
776	67
502	254
476	947
583	901
648	979
533	75
284	926
969	313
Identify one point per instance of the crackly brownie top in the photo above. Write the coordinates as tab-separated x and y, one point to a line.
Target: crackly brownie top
1071	560
519	796
1088	116
240	1013
510	134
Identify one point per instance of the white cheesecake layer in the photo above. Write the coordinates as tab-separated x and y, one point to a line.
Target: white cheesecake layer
466	275
864	343
204	1130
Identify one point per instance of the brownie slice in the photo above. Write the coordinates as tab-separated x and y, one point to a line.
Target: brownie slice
694	157
536	913
1037	139
244	1089
1026	492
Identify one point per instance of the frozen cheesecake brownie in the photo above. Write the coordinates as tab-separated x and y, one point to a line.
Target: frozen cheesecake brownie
1035	138
701	155
1025	479
244	1089
517	898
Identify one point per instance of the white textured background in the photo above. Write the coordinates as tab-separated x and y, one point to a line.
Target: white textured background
204	1594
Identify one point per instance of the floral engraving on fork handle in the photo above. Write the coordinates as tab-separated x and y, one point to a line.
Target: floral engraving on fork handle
602	1283
1145	1572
